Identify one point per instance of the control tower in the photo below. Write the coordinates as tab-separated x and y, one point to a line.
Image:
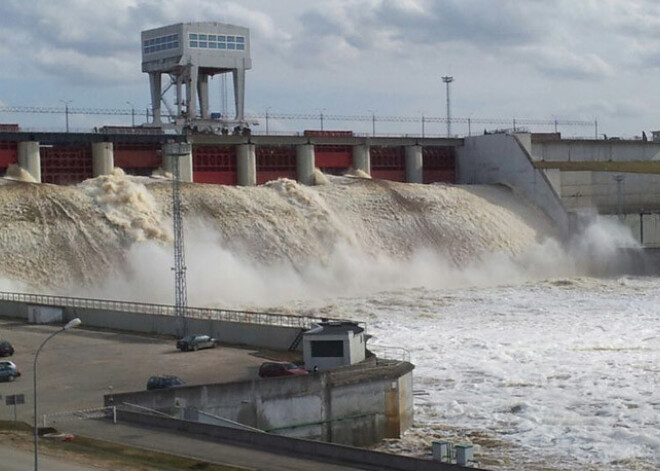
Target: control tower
190	53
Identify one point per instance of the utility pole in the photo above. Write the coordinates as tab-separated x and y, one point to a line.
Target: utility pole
447	79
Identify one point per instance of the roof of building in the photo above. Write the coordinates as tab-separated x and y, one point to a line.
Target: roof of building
334	328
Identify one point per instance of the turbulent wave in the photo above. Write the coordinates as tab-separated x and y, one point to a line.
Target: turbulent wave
111	236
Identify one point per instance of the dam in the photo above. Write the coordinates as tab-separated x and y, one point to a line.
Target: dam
473	253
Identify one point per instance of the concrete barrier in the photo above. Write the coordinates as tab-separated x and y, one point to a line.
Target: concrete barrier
357	405
260	330
321	451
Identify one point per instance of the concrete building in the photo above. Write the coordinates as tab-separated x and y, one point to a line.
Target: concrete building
191	53
332	344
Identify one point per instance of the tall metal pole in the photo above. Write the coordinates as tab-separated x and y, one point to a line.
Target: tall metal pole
73	323
321	120
267	120
447	79
132	113
66	112
180	293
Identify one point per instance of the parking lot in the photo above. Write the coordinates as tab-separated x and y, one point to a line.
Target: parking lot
77	367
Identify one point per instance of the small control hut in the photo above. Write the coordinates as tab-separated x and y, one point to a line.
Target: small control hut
333	344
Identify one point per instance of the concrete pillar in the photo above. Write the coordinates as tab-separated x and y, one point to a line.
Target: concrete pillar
183	152
305	163
239	92
155	81
362	158
203	85
414	164
191	92
103	158
246	165
29	158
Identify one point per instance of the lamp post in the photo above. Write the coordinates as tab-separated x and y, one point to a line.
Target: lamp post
267	109
66	112
132	113
447	79
69	325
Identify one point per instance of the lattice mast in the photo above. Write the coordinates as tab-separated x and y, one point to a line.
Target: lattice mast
181	290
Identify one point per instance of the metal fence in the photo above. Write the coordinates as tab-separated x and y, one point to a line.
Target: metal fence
370	124
248	317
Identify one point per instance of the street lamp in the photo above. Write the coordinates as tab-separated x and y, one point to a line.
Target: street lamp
267	109
373	122
69	325
132	113
66	112
447	79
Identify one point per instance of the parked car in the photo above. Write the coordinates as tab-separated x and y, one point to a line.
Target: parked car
269	369
164	382
6	350
195	342
8	371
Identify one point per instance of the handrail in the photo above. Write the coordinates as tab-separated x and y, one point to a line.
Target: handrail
227	315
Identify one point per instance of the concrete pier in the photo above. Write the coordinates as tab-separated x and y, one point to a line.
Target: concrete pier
246	165
414	164
29	158
305	163
103	158
362	158
183	152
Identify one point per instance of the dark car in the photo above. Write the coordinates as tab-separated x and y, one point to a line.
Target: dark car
280	368
195	342
6	350
164	382
8	371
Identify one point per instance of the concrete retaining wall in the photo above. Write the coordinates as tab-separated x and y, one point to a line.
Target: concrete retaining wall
354	405
594	150
238	333
501	159
321	451
601	191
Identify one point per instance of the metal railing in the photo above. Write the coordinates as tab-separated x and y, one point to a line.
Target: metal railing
247	317
390	353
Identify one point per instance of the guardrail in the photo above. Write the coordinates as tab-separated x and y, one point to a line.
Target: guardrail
247	317
390	352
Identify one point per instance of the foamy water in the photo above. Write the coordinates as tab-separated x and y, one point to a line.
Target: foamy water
516	349
559	374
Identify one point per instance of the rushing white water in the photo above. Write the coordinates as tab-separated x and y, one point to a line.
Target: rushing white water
556	374
517	349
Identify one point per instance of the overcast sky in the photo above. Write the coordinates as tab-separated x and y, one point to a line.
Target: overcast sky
546	59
